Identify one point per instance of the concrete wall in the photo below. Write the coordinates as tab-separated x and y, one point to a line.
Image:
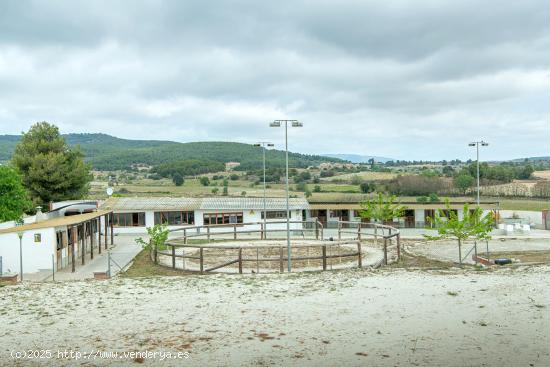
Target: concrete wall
36	256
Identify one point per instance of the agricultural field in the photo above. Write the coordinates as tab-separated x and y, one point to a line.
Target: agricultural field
365	176
331	188
545	175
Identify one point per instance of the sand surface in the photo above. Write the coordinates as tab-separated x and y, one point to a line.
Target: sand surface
447	250
342	318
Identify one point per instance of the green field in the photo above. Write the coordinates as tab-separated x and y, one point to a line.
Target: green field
524	204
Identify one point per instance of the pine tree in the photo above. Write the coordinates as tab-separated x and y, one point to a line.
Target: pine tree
51	171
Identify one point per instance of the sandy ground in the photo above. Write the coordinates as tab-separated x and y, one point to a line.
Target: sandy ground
448	250
345	318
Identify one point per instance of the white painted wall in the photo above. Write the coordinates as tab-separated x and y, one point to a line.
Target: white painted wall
419	216
36	256
248	216
525	217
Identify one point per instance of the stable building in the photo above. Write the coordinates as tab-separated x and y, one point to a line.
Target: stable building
134	215
416	214
59	239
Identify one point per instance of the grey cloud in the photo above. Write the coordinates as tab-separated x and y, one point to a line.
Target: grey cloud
396	78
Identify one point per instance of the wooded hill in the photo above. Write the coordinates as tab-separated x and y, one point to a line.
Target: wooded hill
109	153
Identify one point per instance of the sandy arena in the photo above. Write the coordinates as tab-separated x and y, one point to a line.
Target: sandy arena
346	318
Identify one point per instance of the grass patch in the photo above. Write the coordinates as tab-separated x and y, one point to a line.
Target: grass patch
452	294
143	266
523	204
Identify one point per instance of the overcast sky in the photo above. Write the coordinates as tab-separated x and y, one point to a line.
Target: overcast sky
403	79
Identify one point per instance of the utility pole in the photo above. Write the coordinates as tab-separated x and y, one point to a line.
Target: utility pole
477	144
294	123
263	144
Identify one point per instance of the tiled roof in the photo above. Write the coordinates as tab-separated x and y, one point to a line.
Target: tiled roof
212	203
229	203
126	204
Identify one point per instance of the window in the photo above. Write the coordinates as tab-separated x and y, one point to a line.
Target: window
279	214
223	218
129	219
174	218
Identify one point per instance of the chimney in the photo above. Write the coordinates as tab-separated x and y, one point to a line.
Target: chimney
39	215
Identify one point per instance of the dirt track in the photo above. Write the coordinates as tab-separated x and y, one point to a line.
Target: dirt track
345	318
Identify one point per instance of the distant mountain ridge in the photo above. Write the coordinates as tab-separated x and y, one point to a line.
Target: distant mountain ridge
357	158
106	152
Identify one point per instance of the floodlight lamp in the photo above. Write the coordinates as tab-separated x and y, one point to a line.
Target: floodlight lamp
275	124
297	124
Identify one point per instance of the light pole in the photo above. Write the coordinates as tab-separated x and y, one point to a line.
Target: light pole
264	144
477	144
20	235
294	123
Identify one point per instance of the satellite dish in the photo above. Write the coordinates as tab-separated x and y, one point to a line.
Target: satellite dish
109	191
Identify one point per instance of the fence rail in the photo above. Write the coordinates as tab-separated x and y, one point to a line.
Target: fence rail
206	230
240	254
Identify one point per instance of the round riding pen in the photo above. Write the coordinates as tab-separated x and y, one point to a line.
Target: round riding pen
262	248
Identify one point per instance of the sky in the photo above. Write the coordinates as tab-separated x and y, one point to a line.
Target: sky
397	78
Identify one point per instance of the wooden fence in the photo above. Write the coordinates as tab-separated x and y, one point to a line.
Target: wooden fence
359	231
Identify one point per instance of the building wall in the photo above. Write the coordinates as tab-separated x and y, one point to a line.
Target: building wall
36	256
248	217
523	216
252	216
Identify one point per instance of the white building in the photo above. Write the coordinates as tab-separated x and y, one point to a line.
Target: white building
134	215
58	241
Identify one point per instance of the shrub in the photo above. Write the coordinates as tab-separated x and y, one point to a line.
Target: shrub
177	179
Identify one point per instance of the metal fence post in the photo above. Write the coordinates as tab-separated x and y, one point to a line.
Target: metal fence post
109	264
53	269
359	258
316	230
398	246
324	250
173	257
385	252
240	260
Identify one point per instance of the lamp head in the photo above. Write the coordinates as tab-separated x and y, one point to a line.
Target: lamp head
275	124
297	124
